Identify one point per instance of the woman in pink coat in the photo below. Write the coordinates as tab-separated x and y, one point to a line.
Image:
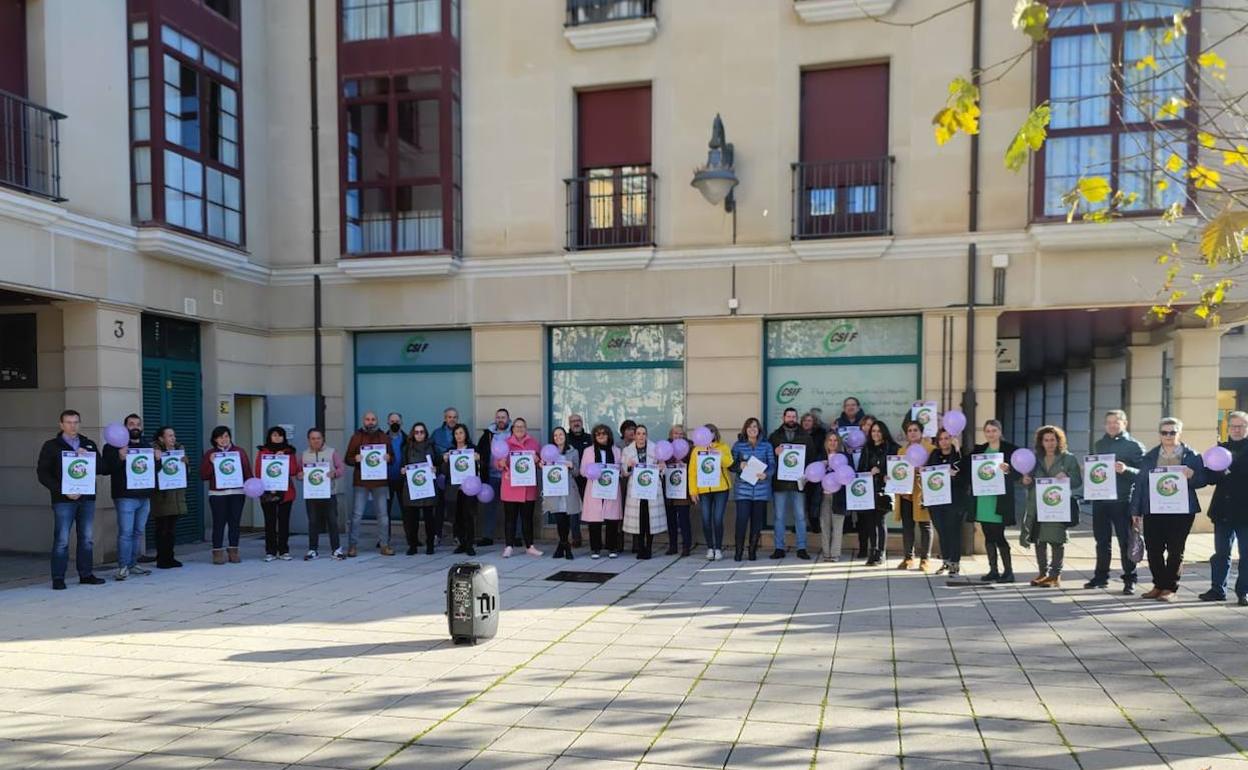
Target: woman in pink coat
518	500
595	511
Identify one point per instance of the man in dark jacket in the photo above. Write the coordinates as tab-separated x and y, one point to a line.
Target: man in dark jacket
69	510
580	440
396	439
787	497
1111	518
494	477
133	505
378	490
1229	511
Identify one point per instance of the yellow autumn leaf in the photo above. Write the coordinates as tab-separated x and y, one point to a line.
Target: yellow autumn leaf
1222	238
1170	108
1032	19
1162	185
1201	311
1205	138
1030	137
1177	28
1174	163
1093	189
1236	157
1148	62
1205	178
1211	59
960	113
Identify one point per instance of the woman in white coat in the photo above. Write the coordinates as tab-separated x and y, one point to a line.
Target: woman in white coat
594	510
642	517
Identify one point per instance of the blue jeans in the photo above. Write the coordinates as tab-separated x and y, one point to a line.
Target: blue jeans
132	515
79	513
381	503
790	502
1224	537
713	505
489	514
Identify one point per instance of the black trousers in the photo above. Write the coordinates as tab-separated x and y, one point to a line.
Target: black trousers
644	540
322	517
752	514
615	539
276	527
523	511
563	522
463	510
1112	520
678	519
996	544
1165	537
869	525
412	517
813	499
165	528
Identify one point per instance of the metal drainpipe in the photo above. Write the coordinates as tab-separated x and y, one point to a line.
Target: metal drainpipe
968	395
316	218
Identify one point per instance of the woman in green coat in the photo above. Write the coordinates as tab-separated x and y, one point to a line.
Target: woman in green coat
167	504
1052	462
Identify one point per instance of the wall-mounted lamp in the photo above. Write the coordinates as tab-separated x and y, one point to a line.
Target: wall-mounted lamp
717	178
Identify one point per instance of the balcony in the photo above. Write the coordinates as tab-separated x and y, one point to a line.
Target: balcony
30	147
612	209
604	23
842	198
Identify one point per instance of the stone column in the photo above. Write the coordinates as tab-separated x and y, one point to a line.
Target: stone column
1144	376
1194	395
1077	423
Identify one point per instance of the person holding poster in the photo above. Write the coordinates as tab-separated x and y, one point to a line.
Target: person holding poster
323	512
874	460
276	504
793	444
948	518
132	479
227	503
754	490
1229	513
832	510
715	491
461	463
644	515
418	449
1110	518
925	414
813	494
167	504
69	511
519	501
1165	534
597	511
676	500
995	512
1053	461
910	506
567	505
378	490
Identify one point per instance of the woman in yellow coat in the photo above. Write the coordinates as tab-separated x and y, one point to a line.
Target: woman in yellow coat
910	508
712	499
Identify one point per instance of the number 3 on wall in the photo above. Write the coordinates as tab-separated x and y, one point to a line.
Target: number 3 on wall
119	329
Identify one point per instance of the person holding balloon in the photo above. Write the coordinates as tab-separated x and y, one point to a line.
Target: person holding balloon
643	518
1053	462
1227	467
518	501
948	518
752	491
564	507
226	504
1165	533
996	512
597	511
827	473
462	498
910	507
678	520
713	498
855	445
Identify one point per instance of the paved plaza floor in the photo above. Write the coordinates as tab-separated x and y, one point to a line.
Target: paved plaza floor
673	662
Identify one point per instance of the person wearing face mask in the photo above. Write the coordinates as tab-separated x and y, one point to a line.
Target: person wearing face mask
133	505
379	491
1229	513
418	449
394	468
276	505
1165	534
1110	518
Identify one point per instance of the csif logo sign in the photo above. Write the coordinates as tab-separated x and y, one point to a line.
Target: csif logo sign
414	346
615	343
787	392
839	337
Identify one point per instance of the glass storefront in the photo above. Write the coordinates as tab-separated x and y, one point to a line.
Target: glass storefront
415	373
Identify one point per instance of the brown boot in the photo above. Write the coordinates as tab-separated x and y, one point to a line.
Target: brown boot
234	557
351	552
218	556
1153	594
387	551
905	563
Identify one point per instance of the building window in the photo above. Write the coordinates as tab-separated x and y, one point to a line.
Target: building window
397	186
19	355
186	134
599	11
1105	108
380	19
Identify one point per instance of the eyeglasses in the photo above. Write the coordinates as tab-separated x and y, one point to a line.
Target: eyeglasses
1169	433
418	433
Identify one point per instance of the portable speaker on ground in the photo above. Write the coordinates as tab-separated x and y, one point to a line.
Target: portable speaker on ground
472	602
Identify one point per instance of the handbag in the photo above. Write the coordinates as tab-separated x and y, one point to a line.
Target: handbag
1135	545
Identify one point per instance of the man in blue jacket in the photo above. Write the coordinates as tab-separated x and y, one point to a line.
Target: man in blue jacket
1111	518
69	511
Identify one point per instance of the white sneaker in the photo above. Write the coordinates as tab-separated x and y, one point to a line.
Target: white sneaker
284	556
137	570
531	551
309	556
710	554
719	554
269	557
339	555
122	574
507	552
595	555
612	555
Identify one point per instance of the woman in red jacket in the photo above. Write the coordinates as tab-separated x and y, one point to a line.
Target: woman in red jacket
226	504
518	500
276	505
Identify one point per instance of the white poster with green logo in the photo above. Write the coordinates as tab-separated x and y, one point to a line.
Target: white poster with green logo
674	483
937	481
925	414
140	468
317	482
77	473
1167	490
987	478
860	494
227	470
275	472
420	481
607	485
792	462
708	468
523	467
1099	480
1053	500
373	462
644	484
172	469
463	464
555	480
900	479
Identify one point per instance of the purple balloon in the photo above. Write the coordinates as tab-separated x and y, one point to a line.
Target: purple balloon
116	435
253	487
486	495
830	484
680	449
954	421
838	460
855	439
551	454
1217	458
844	474
471	486
916	454
498	448
663	450
1023	460
815	472
702	436
593	471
